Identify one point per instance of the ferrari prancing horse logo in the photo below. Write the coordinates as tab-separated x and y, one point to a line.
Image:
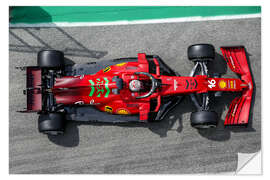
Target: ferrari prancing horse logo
107	69
108	109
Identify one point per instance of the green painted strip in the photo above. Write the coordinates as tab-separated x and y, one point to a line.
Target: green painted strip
107	87
92	88
46	14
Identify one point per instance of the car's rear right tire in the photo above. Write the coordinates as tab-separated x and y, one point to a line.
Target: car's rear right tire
50	59
204	119
51	124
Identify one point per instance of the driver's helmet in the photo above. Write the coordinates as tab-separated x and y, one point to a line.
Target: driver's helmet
135	85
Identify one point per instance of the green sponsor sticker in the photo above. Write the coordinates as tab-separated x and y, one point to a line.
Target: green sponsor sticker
92	88
99	87
107	87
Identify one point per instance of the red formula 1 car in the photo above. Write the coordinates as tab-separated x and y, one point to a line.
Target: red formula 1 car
142	89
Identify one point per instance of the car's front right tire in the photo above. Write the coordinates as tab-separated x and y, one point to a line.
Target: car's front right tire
204	119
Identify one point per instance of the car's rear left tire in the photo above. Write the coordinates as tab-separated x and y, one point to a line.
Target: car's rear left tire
51	123
204	119
50	59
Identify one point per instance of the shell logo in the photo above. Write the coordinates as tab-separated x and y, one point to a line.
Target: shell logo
121	64
222	84
122	111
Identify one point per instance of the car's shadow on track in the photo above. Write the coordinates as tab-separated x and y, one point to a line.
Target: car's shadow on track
70	138
23	43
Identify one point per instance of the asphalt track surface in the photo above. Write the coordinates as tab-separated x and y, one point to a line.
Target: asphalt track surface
171	146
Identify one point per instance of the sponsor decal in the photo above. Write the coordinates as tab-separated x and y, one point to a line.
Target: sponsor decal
92	101
232	84
132	105
175	86
108	109
222	84
232	62
99	87
92	87
79	102
212	83
107	69
107	88
122	111
234	110
121	64
131	67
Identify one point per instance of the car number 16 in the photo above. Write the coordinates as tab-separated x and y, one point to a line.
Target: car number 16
212	83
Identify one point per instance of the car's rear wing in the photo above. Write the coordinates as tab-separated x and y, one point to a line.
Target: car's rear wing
33	89
239	109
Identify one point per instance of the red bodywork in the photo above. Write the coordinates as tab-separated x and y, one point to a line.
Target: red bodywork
98	89
33	91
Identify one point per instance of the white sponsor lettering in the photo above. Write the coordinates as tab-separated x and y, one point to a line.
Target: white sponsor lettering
79	102
232	62
92	101
175	85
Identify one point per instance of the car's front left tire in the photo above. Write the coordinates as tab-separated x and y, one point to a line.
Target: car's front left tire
201	52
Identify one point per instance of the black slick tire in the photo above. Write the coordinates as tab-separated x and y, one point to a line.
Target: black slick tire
204	119
201	52
50	59
51	124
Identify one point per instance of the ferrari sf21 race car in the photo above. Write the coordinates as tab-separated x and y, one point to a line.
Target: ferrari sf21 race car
141	89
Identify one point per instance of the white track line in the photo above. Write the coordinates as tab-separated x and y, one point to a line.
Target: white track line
150	21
